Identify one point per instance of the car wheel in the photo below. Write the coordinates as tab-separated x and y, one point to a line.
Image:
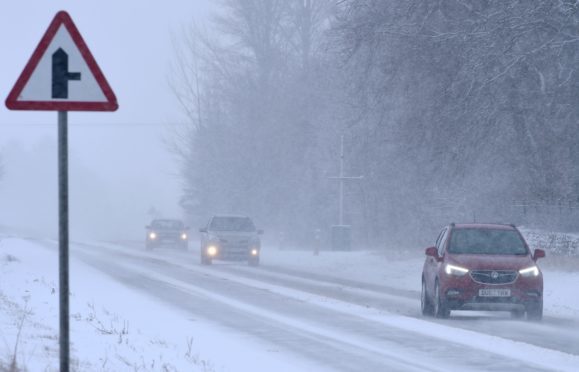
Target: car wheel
440	309
205	260
425	304
253	261
535	312
148	247
517	314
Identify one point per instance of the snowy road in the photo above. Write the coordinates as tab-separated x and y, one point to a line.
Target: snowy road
339	324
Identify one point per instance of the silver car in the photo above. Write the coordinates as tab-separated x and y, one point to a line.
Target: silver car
228	237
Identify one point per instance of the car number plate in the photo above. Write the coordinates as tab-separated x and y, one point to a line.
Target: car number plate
494	292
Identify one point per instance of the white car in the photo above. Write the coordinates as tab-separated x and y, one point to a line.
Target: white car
229	237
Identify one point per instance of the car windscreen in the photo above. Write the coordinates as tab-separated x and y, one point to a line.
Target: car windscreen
486	241
242	224
167	225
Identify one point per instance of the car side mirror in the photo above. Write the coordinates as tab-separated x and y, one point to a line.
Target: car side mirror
432	252
260	232
539	253
203	230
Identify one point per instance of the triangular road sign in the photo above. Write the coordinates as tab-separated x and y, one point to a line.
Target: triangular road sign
62	74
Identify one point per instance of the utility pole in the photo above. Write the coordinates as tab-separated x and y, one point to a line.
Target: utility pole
343	178
341	236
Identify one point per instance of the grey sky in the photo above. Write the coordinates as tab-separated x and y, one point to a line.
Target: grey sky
122	151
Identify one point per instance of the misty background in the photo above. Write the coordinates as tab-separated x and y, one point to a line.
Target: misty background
119	165
451	111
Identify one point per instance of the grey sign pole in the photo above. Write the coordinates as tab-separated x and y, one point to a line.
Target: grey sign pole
63	238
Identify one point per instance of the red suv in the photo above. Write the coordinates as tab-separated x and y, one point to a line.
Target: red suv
482	267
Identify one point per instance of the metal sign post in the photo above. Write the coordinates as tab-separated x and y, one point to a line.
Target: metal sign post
63	239
47	83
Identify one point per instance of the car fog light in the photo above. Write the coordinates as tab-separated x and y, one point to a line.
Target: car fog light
183	236
152	236
212	250
254	252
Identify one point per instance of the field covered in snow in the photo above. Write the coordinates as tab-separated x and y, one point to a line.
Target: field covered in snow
115	328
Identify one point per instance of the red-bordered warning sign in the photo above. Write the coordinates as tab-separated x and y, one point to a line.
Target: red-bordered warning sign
62	74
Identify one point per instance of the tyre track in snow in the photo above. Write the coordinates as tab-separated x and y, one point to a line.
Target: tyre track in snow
213	299
378	333
553	333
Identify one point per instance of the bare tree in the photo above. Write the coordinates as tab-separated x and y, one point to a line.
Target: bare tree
469	99
249	93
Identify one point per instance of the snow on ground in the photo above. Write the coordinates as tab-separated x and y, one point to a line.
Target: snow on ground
397	269
112	328
402	269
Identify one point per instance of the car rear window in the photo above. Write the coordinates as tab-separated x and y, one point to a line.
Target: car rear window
243	224
486	241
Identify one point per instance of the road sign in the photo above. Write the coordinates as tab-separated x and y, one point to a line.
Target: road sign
62	74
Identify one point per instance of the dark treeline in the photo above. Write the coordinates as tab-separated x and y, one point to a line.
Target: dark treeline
451	110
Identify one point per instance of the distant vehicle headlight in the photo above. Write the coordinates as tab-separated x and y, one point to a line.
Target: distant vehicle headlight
455	270
152	235
254	252
212	250
184	236
529	271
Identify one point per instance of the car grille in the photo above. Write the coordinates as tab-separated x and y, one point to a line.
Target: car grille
163	235
233	242
235	247
493	276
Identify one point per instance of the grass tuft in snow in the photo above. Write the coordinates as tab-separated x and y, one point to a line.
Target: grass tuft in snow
8	258
13	366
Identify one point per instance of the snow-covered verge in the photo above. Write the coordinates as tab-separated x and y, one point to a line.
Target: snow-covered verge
555	243
401	268
112	328
560	288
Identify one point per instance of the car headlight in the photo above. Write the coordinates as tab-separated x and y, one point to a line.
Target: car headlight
455	270
184	236
254	251
212	250
152	235
529	271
